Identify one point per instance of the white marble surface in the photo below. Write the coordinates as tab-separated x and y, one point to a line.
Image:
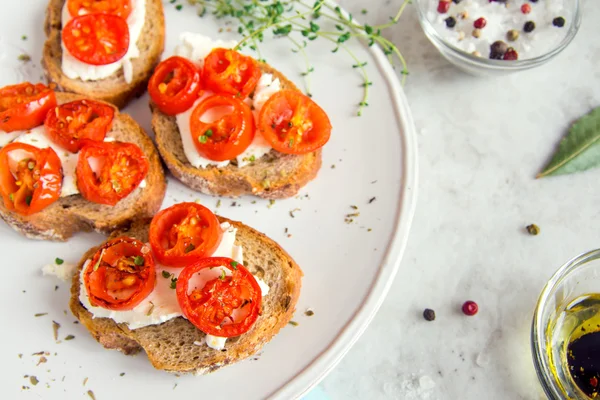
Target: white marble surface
481	143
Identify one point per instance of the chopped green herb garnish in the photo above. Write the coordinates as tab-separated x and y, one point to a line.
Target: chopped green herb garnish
99	260
222	276
40	314
178	7
364	11
28	200
24	37
69	337
166	274
202	139
189	247
58	261
234	264
149	311
291	143
138	260
208	133
252	158
294	323
173	283
122	374
12	197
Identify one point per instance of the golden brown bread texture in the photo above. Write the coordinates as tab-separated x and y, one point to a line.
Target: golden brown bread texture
273	176
72	214
170	345
113	89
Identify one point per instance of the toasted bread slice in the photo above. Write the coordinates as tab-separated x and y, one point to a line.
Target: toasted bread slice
71	214
170	345
113	89
273	176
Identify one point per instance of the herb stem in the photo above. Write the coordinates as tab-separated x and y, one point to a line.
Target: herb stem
306	62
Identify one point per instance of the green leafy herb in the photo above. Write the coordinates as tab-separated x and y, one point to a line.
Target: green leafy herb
579	150
69	337
58	261
301	22
222	276
252	158
234	264
138	260
24	37
202	139
166	274
173	283
208	133
24	57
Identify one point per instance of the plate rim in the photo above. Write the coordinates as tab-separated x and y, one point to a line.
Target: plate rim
311	375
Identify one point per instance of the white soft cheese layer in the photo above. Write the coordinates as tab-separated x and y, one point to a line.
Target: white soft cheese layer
6	138
76	69
37	138
162	305
196	47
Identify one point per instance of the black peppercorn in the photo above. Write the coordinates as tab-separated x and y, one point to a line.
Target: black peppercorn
533	1
450	22
456	1
529	26
558	21
497	50
429	314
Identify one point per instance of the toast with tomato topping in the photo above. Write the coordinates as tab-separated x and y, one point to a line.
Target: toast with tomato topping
178	346
113	89
273	176
71	214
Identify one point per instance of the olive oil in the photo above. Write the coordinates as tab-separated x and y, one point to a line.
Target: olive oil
575	349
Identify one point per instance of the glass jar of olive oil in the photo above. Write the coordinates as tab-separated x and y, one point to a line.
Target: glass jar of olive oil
565	335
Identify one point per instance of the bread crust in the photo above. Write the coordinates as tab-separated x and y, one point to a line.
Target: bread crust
112	89
72	214
158	340
273	176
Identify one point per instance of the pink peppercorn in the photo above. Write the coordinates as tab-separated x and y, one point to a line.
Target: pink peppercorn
480	23
525	8
470	308
443	6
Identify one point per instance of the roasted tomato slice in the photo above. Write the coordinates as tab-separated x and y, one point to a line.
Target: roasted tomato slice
97	39
109	171
222	127
294	124
120	274
69	123
174	85
121	8
184	233
219	296
24	106
227	71
30	178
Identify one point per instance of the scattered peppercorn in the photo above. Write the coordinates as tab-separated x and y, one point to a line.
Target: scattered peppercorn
456	1
476	33
476	53
533	229
497	50
429	314
450	22
559	22
529	26
533	1
511	55
443	7
470	308
512	35
480	23
525	8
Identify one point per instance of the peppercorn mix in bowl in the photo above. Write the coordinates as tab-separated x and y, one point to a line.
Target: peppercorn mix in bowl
491	37
565	333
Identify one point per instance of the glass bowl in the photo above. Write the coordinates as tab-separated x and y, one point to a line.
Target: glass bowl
483	66
579	276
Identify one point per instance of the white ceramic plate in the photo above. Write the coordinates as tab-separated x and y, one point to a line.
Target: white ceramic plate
348	267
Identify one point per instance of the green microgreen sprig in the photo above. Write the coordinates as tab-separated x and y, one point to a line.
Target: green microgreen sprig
304	18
